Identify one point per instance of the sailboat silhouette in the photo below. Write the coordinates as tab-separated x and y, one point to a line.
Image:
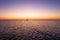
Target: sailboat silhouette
26	19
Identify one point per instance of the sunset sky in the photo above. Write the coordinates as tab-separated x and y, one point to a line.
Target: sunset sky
31	9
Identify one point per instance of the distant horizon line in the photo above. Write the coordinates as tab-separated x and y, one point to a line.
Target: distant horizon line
29	19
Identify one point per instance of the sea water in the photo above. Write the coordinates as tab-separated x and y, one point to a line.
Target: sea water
29	30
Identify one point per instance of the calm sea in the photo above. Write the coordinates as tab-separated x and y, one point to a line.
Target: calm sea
29	30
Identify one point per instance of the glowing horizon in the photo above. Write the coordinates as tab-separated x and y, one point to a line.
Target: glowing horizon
30	9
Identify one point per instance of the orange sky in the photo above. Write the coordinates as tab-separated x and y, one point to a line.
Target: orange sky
29	10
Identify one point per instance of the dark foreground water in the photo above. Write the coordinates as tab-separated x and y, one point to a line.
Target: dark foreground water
29	30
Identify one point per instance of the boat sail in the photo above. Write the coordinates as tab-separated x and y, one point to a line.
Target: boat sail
26	19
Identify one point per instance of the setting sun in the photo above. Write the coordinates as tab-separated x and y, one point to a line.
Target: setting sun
29	9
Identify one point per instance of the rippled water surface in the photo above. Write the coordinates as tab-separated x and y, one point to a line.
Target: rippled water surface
29	30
